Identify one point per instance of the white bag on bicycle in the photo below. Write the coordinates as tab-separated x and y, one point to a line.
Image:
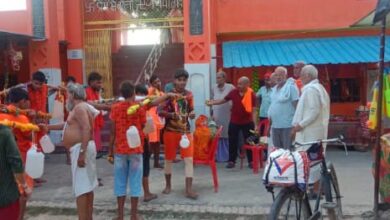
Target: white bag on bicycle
286	168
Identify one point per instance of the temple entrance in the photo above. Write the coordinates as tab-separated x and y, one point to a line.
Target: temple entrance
127	39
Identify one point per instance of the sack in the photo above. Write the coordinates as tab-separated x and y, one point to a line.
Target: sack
286	168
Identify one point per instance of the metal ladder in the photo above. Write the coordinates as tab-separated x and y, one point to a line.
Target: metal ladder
154	56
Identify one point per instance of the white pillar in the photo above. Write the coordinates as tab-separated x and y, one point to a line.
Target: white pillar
199	85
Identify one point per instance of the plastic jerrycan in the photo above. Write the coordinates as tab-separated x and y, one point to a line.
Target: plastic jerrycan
34	162
47	146
133	138
184	142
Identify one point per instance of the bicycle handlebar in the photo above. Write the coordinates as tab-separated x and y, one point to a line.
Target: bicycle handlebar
332	140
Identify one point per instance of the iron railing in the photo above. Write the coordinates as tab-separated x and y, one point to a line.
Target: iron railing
154	56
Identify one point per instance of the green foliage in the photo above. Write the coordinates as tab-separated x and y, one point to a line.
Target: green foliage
255	84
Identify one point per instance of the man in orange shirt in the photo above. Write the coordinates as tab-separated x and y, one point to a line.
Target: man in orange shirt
128	164
38	93
154	137
297	73
177	112
95	85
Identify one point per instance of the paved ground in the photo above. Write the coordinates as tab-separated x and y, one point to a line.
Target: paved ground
241	194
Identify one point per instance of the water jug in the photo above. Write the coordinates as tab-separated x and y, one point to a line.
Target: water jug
133	138
47	146
34	162
184	142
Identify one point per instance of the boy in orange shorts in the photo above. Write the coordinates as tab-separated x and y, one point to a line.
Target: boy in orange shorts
177	112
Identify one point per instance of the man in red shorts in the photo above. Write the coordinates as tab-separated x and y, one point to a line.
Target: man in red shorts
177	112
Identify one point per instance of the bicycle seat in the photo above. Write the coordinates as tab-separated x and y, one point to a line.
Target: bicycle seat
315	152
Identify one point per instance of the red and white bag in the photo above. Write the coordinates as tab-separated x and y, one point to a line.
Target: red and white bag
286	168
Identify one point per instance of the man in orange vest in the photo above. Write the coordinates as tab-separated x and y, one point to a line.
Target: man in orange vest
243	117
297	73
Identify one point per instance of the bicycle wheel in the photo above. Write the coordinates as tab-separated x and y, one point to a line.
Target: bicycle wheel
332	191
290	204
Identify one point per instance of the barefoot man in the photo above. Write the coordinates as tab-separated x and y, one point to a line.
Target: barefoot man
128	162
177	112
78	138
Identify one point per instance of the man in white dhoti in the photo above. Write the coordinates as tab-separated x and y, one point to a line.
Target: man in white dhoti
311	117
78	138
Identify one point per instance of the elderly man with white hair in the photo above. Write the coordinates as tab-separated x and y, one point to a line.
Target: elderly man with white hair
311	118
284	99
221	114
78	139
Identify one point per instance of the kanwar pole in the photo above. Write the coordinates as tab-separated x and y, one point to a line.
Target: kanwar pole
379	113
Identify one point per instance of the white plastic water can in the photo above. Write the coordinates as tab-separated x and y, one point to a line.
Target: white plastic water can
184	142
34	162
47	146
133	138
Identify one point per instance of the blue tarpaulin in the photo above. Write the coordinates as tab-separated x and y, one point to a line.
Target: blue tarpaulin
337	50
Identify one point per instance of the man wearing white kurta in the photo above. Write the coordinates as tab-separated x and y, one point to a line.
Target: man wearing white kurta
311	117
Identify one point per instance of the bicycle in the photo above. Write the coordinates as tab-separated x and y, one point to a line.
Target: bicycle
300	199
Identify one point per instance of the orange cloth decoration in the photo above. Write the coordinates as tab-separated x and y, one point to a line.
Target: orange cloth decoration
299	84
202	137
247	100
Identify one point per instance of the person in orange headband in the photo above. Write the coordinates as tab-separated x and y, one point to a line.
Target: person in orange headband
243	117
